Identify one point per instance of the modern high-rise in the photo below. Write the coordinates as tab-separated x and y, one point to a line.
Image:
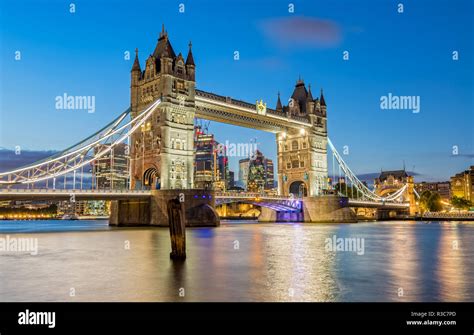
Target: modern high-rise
269	174
211	169
256	173
204	159
112	169
244	172
231	180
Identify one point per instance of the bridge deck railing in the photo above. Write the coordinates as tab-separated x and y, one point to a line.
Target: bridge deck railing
253	195
49	190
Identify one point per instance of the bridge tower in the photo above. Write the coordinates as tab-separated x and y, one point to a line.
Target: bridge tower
302	153
162	151
411	196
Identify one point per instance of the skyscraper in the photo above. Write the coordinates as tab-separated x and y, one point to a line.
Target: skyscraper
204	159
112	169
256	175
211	169
269	174
244	172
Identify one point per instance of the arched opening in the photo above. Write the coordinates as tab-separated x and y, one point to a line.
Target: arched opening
298	188
151	178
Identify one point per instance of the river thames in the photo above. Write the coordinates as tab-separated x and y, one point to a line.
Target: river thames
240	261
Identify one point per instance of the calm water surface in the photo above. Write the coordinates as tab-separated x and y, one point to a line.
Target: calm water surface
240	261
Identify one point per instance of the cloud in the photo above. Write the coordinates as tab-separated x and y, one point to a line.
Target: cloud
9	160
463	155
372	175
302	31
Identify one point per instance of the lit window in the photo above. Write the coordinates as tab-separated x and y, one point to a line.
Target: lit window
294	145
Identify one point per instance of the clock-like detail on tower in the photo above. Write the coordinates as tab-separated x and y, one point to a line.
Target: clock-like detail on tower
261	107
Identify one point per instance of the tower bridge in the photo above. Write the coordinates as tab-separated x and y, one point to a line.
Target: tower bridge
159	128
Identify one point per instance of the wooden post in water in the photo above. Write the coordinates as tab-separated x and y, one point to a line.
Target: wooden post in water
177	229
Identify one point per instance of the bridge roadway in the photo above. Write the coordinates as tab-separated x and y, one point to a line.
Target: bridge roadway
273	201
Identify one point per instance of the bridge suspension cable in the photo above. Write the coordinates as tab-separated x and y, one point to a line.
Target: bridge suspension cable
359	185
80	154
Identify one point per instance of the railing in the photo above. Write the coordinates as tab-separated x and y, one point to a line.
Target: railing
254	195
62	191
383	203
434	215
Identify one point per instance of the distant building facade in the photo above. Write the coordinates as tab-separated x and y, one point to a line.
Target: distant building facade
462	184
442	188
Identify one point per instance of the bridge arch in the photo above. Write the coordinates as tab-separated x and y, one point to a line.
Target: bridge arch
298	188
150	177
196	215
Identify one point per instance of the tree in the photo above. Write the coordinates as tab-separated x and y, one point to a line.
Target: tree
434	203
430	201
460	203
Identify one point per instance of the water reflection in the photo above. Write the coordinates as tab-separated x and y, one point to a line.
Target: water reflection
450	257
270	262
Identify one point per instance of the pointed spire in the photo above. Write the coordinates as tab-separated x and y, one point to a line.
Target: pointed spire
323	102
190	58
163	47
163	33
136	62
279	106
310	95
300	80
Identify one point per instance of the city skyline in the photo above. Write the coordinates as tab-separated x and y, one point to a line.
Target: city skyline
276	52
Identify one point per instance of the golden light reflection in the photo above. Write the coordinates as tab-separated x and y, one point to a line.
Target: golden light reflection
404	263
450	269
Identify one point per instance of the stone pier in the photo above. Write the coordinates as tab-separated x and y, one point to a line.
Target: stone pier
199	209
327	208
318	209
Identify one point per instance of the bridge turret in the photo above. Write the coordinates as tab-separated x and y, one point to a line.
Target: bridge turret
302	153
135	78
310	101
190	66
162	150
279	106
299	99
322	103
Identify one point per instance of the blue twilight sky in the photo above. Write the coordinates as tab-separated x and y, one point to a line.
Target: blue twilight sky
407	53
